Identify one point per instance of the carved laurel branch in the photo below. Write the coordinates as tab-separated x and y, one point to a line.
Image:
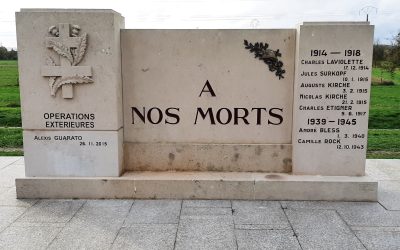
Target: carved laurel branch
80	51
75	56
62	50
52	79
68	80
268	56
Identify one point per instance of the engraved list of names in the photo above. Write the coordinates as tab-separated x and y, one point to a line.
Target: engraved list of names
332	92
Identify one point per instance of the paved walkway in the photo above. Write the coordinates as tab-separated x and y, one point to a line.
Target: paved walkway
176	224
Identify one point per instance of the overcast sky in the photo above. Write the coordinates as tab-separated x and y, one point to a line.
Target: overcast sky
221	13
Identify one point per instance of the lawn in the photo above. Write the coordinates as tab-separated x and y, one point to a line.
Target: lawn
384	120
383	144
8	73
10	111
10	138
385	107
11	142
378	74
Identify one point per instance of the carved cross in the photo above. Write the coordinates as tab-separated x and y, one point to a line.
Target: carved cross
65	69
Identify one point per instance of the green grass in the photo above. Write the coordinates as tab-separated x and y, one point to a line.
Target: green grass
376	73
9	96
10	117
12	153
8	73
383	144
384	117
385	102
10	111
10	138
11	142
385	107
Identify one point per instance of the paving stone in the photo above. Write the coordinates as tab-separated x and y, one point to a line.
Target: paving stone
8	197
28	237
154	212
146	236
370	216
379	229
373	239
322	229
326	205
389	194
8	160
9	214
388	169
108	203
199	232
255	227
8	175
267	213
206	211
95	226
52	211
354	213
206	203
32	224
20	161
266	239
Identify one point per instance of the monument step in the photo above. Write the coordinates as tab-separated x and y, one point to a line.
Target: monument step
201	185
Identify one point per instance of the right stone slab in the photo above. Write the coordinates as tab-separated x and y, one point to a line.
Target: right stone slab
331	98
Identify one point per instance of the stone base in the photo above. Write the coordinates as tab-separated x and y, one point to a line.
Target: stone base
272	158
202	185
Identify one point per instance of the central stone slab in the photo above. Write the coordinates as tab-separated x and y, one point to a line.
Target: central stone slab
194	91
188	73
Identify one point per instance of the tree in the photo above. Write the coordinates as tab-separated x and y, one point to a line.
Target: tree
3	53
8	55
390	67
391	57
12	55
394	55
378	53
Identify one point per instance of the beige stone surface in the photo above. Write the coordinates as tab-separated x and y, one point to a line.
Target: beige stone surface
73	153
317	188
342	147
383	170
203	185
169	68
208	157
102	60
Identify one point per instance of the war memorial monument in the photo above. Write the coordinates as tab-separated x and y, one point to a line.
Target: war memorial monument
272	114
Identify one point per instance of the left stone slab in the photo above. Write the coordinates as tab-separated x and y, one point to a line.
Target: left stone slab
70	82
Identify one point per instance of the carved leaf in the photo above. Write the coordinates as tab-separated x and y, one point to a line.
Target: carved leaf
69	80
62	50
50	62
268	56
80	51
52	81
